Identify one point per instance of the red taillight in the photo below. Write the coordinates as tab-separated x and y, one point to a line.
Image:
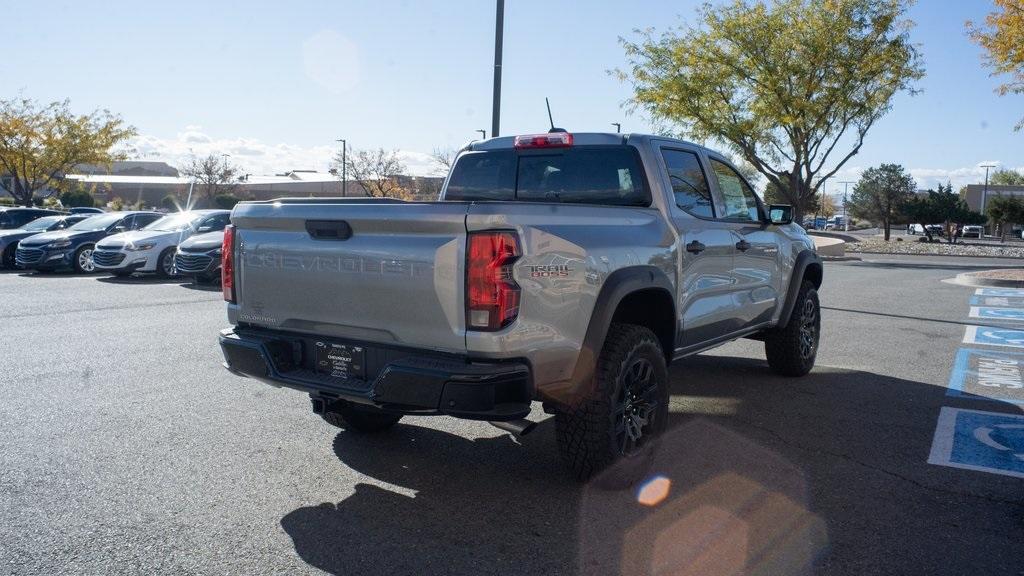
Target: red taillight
549	140
492	296
227	264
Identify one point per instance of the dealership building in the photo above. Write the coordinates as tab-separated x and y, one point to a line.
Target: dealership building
148	183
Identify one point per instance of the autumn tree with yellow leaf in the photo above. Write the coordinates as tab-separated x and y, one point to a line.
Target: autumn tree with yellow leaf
1002	37
41	143
792	86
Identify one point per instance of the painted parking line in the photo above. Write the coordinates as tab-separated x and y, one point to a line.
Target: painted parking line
998	301
1018	292
990	313
988	375
993	336
982	441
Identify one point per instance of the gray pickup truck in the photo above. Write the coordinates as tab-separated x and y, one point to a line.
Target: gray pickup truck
566	269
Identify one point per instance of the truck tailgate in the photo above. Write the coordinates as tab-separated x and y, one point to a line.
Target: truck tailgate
398	277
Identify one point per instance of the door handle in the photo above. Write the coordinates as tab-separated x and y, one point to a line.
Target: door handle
695	247
328	229
743	245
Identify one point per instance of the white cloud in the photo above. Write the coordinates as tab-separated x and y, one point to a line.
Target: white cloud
331	60
255	156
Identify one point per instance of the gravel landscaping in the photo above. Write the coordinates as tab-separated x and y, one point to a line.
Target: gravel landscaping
943	249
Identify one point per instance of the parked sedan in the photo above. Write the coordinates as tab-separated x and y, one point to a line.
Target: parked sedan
15	217
152	248
72	248
9	238
199	257
972	231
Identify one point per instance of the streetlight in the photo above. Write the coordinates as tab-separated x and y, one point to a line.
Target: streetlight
846	222
618	127
344	164
984	193
483	134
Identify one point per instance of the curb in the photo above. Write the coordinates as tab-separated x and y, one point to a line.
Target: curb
940	255
974	280
841	258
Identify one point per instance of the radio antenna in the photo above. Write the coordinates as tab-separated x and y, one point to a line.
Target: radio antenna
550	119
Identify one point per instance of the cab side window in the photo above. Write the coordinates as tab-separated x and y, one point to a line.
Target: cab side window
215	223
143	220
740	200
689	185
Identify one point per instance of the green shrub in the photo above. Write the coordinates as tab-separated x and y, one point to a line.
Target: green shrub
225	201
6	201
79	197
116	204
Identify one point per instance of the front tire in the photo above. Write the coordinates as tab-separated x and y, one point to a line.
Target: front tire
165	263
7	261
791	351
611	432
349	417
83	260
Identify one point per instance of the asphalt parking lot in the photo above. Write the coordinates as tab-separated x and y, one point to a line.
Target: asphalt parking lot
126	448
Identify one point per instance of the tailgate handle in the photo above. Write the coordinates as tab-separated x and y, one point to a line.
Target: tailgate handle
328	229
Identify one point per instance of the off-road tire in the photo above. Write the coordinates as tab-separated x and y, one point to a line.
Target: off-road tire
588	435
787	348
358	419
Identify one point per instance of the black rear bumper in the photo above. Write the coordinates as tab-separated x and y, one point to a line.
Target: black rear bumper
397	379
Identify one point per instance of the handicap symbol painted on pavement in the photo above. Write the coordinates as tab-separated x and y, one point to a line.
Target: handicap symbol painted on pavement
993	336
988	374
987	312
1000	292
998	301
983	441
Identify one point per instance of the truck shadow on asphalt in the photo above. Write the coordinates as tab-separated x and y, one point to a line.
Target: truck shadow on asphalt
757	474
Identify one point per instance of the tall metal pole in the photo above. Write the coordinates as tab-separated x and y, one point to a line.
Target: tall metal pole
344	165
499	26
618	127
846	189
483	134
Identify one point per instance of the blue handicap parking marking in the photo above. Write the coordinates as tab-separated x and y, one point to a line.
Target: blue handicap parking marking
983	441
1018	292
987	374
998	301
994	336
990	313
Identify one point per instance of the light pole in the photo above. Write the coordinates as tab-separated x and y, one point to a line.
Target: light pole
618	127
344	164
984	193
846	222
483	134
499	27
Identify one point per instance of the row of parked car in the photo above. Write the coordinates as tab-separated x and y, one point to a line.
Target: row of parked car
119	243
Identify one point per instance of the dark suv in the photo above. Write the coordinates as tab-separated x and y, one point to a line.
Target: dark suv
18	217
9	238
72	248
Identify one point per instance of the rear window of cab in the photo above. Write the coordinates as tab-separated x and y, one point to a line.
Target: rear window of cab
607	175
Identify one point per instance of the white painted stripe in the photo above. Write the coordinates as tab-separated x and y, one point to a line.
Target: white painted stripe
970	334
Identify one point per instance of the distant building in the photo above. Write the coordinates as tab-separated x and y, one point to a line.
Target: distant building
149	183
976	196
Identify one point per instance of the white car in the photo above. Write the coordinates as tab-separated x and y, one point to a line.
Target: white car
972	231
152	248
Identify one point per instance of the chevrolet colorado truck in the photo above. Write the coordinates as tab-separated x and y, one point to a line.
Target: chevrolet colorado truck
566	269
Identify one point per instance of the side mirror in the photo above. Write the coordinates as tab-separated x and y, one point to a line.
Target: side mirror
780	214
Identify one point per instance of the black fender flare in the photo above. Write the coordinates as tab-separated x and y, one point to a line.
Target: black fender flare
804	260
619	284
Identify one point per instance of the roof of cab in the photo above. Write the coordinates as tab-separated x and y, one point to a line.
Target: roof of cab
583	139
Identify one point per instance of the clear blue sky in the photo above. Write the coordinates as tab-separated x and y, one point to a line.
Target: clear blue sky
277	82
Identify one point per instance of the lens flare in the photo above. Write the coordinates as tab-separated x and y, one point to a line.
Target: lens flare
654	491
